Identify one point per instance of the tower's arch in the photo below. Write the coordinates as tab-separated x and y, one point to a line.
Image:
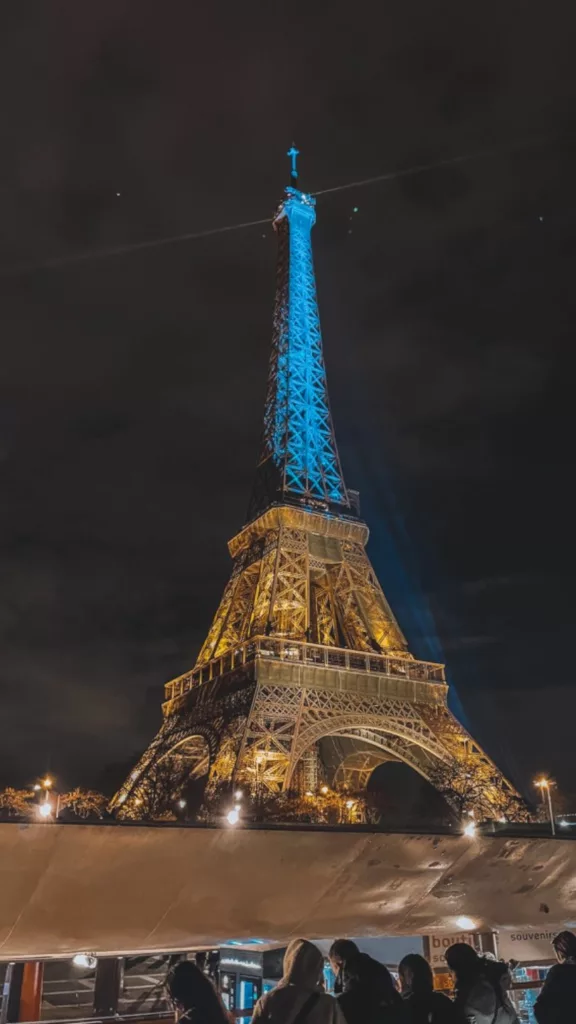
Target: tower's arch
370	745
355	766
191	754
419	748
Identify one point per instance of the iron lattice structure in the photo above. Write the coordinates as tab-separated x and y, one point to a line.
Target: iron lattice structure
304	645
299	456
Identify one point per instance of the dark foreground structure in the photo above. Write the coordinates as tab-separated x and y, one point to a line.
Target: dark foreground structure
122	889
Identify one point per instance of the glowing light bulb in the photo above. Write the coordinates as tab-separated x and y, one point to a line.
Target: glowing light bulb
181	804
324	790
238	794
47	782
466	924
233	816
470	829
45	809
85	960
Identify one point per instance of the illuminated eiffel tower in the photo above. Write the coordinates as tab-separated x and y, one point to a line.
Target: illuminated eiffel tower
305	676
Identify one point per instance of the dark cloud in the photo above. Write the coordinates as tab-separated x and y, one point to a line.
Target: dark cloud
132	387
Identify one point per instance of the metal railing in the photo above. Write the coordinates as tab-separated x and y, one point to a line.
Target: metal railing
297	652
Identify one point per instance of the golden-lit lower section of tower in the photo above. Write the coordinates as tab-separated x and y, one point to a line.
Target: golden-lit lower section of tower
256	718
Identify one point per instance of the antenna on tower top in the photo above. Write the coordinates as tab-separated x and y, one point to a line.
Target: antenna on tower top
293	153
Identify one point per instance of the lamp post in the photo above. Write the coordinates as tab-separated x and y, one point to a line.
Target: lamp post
49	806
545	786
47	810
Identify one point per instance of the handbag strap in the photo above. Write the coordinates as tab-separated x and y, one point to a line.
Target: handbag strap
305	1008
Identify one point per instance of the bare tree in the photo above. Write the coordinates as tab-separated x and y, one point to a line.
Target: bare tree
470	788
15	803
512	807
156	798
84	803
464	787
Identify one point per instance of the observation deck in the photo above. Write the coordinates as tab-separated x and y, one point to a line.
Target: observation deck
290	661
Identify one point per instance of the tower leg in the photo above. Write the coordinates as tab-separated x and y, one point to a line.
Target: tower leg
31	991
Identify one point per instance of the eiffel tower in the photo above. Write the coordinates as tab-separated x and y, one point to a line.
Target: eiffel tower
305	675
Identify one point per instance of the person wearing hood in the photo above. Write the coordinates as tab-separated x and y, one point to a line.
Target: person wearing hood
480	994
369	995
340	951
424	1005
557	1000
193	996
298	998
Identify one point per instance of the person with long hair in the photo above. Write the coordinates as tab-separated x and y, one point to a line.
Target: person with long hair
369	995
479	991
299	997
424	1005
557	1000
193	996
341	950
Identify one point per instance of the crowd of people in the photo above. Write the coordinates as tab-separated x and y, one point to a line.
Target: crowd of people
366	993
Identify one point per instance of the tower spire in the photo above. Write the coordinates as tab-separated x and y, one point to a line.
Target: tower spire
299	461
293	153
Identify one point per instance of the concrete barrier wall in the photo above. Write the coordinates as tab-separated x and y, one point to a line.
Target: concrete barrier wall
128	889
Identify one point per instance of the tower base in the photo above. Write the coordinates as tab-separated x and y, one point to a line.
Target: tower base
256	718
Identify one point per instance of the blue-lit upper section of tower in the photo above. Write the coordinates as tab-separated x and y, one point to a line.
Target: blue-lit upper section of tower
299	459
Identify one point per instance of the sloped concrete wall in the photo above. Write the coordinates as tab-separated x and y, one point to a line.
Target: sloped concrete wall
126	889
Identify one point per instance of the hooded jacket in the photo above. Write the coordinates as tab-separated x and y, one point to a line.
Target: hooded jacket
482	1004
370	996
303	963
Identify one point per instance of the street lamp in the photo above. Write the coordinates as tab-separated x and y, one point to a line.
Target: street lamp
87	960
45	809
545	786
233	816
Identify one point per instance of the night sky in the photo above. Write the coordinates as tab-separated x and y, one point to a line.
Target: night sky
132	385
